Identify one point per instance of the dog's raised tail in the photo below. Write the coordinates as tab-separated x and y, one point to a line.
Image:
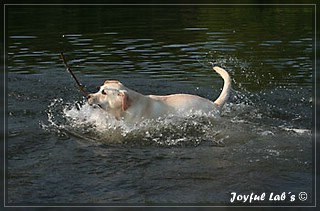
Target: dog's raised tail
220	101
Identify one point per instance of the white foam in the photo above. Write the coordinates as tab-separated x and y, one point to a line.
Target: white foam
183	128
169	130
101	120
296	130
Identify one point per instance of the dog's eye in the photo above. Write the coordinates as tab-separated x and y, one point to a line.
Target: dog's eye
103	92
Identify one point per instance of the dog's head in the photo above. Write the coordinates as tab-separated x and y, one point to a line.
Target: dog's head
111	97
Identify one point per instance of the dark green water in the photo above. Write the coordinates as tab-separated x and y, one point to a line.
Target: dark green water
265	127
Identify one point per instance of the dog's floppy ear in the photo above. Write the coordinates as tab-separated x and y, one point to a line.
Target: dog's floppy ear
125	99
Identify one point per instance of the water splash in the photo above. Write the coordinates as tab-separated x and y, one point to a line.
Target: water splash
88	122
247	115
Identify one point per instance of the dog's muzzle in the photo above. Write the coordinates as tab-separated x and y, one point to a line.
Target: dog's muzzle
90	99
91	103
88	96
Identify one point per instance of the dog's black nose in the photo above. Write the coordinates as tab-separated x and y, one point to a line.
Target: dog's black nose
88	96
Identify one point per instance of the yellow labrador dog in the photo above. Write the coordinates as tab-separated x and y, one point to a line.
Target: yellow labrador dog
130	106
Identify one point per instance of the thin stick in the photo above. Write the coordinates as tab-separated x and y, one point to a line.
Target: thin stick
81	87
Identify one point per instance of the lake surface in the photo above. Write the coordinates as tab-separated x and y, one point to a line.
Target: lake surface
59	152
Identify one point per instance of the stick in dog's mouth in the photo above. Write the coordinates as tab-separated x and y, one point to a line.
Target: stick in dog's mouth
97	106
80	86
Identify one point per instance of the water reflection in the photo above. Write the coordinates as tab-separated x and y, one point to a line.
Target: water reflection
278	48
